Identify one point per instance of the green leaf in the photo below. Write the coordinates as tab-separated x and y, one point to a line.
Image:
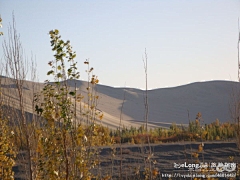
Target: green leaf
61	42
50	72
72	93
59	75
59	50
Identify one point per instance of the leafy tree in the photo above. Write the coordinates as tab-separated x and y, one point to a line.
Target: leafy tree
65	147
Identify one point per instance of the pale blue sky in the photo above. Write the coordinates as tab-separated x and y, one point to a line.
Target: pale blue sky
186	40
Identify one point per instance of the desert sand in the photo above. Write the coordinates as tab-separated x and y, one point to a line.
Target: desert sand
164	155
166	105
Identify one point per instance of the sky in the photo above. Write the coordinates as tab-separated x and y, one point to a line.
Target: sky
186	40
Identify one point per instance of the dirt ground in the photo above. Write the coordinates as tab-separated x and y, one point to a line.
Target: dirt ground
163	158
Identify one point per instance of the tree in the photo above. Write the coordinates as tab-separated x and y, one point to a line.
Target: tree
7	151
17	68
65	147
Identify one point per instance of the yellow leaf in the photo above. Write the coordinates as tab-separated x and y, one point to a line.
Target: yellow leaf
154	172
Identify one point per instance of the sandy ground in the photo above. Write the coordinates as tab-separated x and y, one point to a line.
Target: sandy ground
164	155
168	154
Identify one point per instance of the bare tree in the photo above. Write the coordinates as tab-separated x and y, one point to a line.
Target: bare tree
148	160
17	69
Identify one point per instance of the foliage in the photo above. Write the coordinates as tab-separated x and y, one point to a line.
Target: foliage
7	152
7	149
193	132
65	147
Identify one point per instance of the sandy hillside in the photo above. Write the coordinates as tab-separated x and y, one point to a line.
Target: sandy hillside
166	105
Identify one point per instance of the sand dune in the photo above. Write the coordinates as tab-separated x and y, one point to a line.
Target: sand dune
166	105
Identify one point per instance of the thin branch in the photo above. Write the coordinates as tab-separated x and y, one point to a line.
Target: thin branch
120	133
